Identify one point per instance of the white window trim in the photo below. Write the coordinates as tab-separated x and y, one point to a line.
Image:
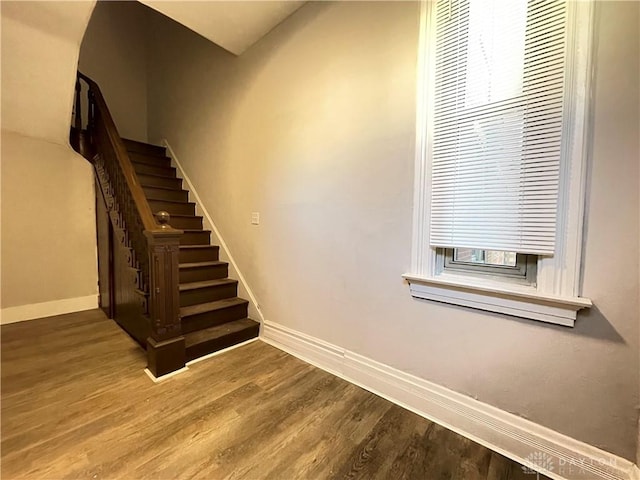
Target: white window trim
556	296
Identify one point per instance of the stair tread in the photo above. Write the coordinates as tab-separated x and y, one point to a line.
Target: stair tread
140	142
218	331
195	230
169	201
206	283
198	246
149	185
168	172
210	263
133	160
144	144
146	154
160	187
142	169
155	175
211	306
168	167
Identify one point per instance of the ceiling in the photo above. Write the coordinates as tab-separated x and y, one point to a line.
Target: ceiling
233	25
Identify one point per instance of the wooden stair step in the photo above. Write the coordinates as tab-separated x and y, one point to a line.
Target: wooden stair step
137	146
210	340
178	208
207	291
137	157
211	306
189	222
158	170
164	193
195	237
157	197
198	253
205	283
200	271
160	181
208	314
213	316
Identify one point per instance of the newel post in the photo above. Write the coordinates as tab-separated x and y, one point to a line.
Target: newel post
165	345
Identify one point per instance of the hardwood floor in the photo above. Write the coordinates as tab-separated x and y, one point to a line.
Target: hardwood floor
76	404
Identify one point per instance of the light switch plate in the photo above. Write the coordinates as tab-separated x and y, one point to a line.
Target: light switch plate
255	218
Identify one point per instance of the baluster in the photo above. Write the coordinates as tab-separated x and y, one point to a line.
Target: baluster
91	114
78	113
165	346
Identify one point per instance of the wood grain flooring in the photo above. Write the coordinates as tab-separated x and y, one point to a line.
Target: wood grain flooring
76	404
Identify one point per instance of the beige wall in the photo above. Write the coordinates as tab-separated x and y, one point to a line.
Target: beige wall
113	53
314	127
40	43
47	220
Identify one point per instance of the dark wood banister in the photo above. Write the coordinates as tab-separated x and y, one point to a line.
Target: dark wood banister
159	256
122	155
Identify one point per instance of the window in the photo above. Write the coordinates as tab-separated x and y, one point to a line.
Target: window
516	267
502	118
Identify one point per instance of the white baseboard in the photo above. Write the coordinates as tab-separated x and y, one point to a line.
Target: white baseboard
197	360
534	446
47	309
214	229
161	378
220	352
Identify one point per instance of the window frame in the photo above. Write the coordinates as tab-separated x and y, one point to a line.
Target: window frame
524	272
555	295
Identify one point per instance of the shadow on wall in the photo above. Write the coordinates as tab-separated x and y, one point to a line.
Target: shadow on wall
590	323
593	324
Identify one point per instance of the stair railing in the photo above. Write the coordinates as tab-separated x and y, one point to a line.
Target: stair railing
153	243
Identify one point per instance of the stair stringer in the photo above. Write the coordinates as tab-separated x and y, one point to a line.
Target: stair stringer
244	290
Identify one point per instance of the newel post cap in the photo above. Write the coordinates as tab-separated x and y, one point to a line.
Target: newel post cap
163	219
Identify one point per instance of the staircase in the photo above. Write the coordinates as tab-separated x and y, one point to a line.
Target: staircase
159	277
212	315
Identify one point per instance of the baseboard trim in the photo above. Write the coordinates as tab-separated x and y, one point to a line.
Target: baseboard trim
161	378
214	228
197	360
34	311
536	447
219	352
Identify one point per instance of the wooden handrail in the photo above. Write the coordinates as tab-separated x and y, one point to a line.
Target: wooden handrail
146	215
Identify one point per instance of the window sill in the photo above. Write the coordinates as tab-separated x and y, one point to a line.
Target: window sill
525	302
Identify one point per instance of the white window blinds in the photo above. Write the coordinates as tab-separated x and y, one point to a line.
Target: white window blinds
497	124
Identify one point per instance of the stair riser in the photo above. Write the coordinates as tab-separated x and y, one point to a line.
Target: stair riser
173	208
144	148
171	195
203	273
166	182
206	348
195	238
141	168
208	294
198	255
150	160
191	223
211	319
